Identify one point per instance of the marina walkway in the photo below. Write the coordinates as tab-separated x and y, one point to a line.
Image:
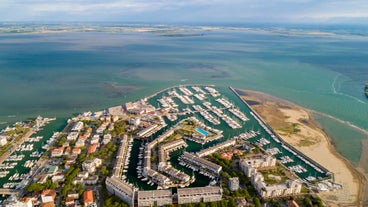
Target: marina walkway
5	191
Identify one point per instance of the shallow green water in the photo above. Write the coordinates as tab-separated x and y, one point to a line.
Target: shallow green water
66	73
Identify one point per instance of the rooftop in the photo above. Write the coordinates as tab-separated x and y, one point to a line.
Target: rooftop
88	196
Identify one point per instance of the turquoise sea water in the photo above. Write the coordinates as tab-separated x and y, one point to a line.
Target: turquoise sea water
59	74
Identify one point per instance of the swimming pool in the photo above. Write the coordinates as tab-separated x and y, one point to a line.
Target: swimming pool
203	132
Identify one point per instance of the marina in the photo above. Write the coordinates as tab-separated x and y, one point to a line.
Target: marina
220	110
17	168
219	118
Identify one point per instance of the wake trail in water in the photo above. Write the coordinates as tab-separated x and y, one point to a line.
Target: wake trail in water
365	132
335	91
333	84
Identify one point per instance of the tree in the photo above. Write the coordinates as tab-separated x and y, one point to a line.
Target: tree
65	189
82	157
104	170
114	202
34	187
201	204
72	143
61	141
257	202
80	188
232	202
213	204
307	202
50	185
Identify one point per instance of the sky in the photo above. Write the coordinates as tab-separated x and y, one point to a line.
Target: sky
170	11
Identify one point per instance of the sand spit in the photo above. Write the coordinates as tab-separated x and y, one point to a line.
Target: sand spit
295	126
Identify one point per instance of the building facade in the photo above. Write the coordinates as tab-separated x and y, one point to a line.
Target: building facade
154	198
120	189
199	194
234	184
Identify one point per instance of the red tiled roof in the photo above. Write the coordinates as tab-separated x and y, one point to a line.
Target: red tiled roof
49	192
48	204
76	150
92	148
88	196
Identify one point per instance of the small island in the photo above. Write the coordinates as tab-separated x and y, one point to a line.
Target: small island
366	90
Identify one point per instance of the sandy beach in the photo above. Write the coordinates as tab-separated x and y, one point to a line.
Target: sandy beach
295	125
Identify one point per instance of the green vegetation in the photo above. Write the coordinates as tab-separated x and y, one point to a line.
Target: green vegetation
257	202
306	142
119	128
291	129
247	191
5	148
61	141
275	176
223	203
228	171
39	187
14	135
313	201
17	131
104	170
111	200
305	190
114	201
69	176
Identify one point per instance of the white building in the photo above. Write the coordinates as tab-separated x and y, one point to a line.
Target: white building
234	184
250	166
135	121
215	148
95	139
80	143
3	140
102	128
121	189
154	198
199	194
77	127
258	162
91	165
291	187
106	138
72	136
201	163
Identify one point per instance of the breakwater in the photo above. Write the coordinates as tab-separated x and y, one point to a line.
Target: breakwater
313	164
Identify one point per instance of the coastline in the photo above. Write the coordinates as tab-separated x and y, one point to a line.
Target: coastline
310	139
